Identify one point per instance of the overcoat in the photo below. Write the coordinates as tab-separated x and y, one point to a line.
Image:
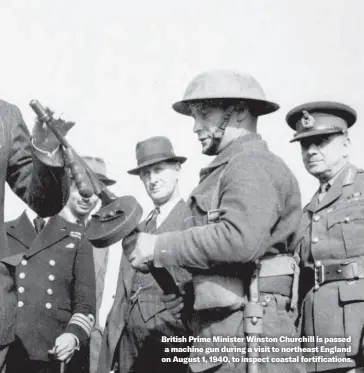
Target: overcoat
333	233
260	213
43	185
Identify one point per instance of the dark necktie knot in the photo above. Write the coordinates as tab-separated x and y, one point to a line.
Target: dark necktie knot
325	187
38	223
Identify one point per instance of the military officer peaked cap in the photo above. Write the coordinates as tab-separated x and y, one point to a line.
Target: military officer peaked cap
320	118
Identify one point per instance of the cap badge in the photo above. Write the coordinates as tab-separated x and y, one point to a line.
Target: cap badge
307	121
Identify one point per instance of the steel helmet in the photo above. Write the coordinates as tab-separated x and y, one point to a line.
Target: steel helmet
227	85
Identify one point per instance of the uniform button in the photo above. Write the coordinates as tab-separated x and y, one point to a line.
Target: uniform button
316	218
347	219
50	291
20	304
21	275
51	278
267	298
21	289
48	306
52	262
315	240
264	304
24	262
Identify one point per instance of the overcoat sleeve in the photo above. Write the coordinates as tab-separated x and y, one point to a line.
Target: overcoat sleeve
250	200
44	187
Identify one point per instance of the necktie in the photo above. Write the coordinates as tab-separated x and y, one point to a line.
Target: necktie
151	225
38	224
323	190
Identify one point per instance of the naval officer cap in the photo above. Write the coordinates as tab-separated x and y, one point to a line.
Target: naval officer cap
320	118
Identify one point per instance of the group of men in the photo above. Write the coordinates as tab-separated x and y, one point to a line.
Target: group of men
245	257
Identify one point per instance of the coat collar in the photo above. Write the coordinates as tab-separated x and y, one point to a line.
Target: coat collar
22	230
54	231
346	177
242	143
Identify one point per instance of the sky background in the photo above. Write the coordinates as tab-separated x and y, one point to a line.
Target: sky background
116	67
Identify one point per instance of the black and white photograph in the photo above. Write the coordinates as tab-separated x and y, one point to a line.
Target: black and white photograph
182	186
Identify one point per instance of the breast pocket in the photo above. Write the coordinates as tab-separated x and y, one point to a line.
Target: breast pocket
348	225
199	206
352	300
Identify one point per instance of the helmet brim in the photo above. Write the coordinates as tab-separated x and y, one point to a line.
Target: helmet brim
257	107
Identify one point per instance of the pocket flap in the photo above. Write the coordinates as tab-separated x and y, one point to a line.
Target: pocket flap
344	216
351	292
150	305
202	201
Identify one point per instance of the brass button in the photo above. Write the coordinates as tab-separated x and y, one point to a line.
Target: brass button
51	278
50	291
24	262
339	270
48	306
267	298
21	289
315	240
21	275
20	304
316	217
347	219
52	262
264	304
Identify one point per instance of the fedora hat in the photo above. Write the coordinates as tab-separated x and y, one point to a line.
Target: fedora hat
98	166
154	150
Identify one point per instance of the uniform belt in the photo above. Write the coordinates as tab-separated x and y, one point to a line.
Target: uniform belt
347	270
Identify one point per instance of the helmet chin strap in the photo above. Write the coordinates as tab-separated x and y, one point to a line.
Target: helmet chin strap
218	135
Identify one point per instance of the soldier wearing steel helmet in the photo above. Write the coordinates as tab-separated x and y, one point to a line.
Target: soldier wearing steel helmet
332	246
247	207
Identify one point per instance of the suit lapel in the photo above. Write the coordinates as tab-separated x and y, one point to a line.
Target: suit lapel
174	218
22	230
55	230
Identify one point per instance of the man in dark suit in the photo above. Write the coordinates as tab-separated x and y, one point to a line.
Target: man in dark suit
138	318
21	234
34	171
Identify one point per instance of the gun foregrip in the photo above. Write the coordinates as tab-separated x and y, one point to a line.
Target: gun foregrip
79	174
165	280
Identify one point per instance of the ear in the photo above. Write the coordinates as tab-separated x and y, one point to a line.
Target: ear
241	114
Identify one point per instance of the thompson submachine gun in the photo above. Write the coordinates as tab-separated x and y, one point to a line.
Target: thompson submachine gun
118	216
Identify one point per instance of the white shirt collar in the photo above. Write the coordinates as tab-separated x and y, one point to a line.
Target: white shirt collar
165	209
